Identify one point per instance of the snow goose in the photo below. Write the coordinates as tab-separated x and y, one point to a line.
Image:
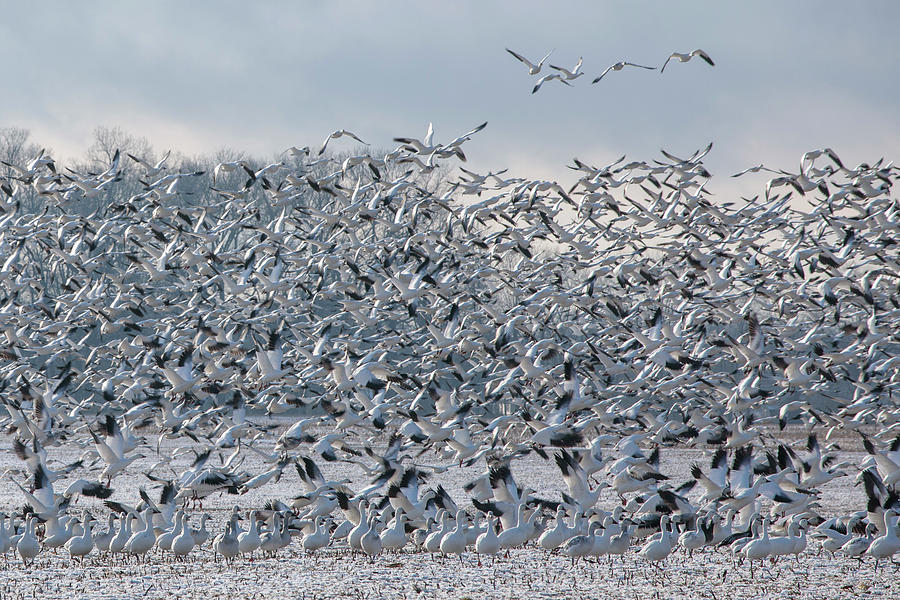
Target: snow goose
57	531
183	543
581	545
693	539
488	542
201	534
270	541
433	540
335	135
82	545
619	544
787	543
28	546
580	493
103	540
546	78
760	547
857	546
142	540
533	68
112	449
164	540
684	57
248	541
602	541
553	538
319	538
888	544
226	543
394	536
575	73
117	544
618	67
660	545
834	534
370	542
887	463
355	535
150	170
284	536
519	534
455	541
6	531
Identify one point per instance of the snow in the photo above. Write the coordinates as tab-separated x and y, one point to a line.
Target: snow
526	573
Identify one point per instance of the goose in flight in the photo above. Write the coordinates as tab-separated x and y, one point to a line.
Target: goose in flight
533	69
151	170
575	73
686	57
618	67
335	135
546	78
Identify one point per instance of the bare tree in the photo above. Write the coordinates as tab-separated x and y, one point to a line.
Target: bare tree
15	148
107	140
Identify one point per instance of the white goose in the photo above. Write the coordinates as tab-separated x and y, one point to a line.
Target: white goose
552	539
888	544
183	543
660	545
82	545
394	536
488	543
319	538
370	543
455	541
226	543
28	546
248	541
582	545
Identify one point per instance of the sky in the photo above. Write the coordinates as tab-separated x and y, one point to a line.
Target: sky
262	76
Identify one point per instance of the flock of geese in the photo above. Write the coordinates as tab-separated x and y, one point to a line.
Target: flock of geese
566	75
411	327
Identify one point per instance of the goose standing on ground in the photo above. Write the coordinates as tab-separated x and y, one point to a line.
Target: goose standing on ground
455	541
226	543
103	540
370	542
201	534
488	542
660	545
889	543
320	537
117	544
28	546
270	541
581	545
142	540
183	543
760	547
394	536
248	541
82	545
551	539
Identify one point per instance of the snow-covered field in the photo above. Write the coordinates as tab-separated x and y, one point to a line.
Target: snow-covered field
526	573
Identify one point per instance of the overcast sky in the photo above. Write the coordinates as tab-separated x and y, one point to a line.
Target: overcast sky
261	76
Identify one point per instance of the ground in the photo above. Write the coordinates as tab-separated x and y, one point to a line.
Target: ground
526	573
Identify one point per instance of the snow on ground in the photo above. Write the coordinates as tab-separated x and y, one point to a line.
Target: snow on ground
526	573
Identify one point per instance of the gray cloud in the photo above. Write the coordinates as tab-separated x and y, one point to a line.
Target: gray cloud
263	76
